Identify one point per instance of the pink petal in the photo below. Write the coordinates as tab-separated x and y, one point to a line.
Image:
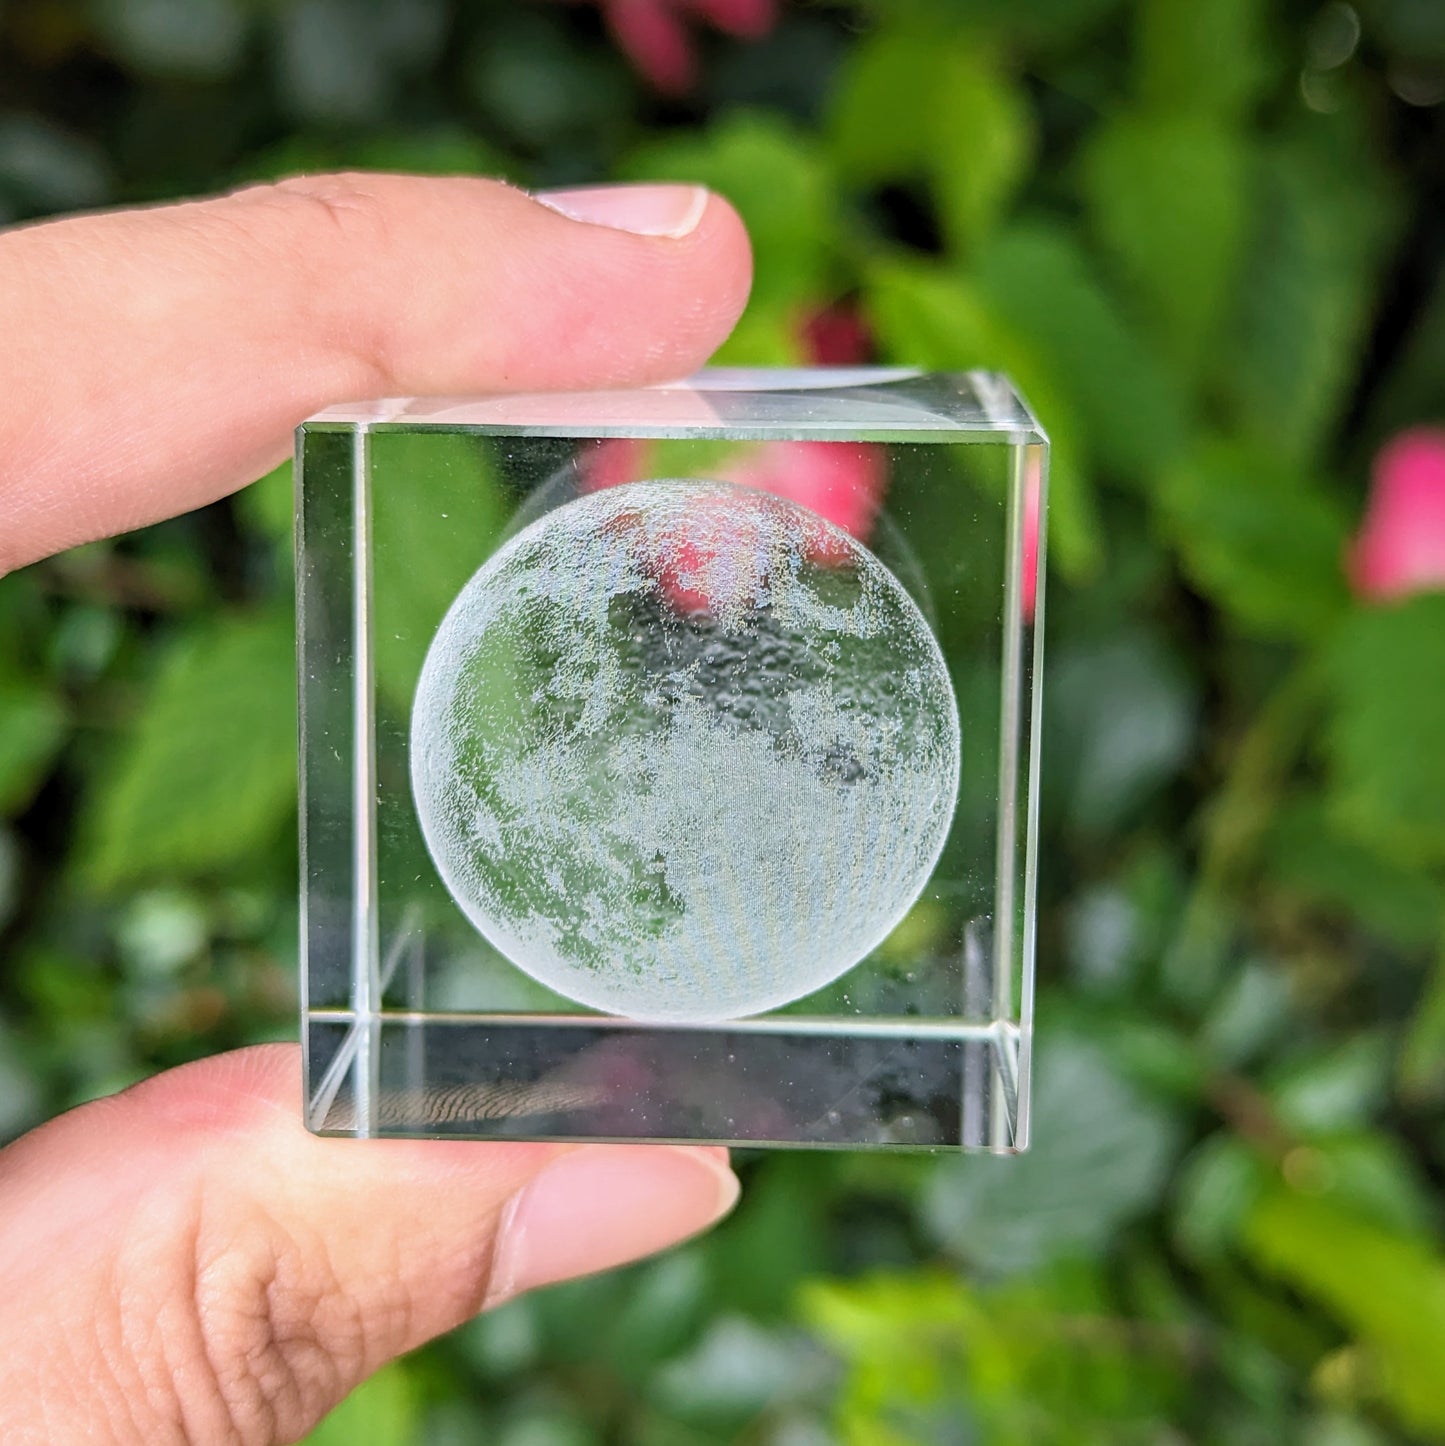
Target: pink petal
654	37
611	461
842	481
1029	580
1401	547
836	336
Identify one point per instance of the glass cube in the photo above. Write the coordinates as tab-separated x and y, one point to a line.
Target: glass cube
669	761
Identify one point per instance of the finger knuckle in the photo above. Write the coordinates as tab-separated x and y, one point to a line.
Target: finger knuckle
324	231
279	1344
225	1321
262	1336
348	203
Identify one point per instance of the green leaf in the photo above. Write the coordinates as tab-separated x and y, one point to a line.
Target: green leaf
1411	390
982	145
1218	1186
1260	539
33	729
1374	1176
382	1411
738	1370
1053	26
925	315
779	1239
1333	1428
1422	1057
446	150
442	150
1100	1154
1312	262
765	336
1342	1086
20	1101
1207	59
47	168
539	82
502	1342
1386	1288
1116	927
194	39
1161	1059
436	516
207	774
561	1422
160	931
891	73
1309	856
662	1313
901	1338
927	104
782	186
1168	198
1251	1013
1047	1359
1383	740
1130	410
1124	711
340	64
269	504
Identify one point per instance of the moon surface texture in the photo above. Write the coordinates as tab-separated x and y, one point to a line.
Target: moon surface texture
684	751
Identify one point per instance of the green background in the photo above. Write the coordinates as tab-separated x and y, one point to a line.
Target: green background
1206	239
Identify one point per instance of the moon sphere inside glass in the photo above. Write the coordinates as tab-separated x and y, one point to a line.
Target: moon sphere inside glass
684	751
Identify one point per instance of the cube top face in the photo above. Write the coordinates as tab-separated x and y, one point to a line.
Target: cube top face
818	403
669	761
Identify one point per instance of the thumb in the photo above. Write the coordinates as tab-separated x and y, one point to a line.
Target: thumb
196	1267
155	359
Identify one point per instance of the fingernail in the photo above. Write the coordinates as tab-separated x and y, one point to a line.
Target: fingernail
646	210
604	1205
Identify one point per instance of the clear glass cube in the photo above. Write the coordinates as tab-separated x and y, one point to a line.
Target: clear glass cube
669	761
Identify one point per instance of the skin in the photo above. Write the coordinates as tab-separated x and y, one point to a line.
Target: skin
183	1262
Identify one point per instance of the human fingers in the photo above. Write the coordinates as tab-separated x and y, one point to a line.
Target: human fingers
156	359
183	1262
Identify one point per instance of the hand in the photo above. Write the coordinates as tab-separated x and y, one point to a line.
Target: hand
184	1262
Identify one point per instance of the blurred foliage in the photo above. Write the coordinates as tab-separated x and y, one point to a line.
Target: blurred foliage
1206	238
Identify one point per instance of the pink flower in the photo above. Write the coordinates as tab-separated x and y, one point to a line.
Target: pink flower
611	461
1033	506
837	336
655	35
1401	547
842	481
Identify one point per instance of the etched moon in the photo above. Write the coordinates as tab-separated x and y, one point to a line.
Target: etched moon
684	751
